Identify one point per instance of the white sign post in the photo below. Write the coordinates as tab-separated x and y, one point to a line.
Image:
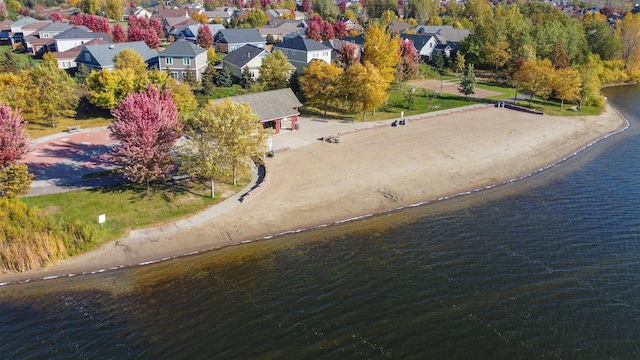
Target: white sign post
102	219
270	142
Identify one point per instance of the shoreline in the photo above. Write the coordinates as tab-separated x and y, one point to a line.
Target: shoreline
374	171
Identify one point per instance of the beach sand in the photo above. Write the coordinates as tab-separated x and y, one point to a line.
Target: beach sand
370	171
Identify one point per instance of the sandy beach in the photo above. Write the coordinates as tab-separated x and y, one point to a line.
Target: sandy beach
370	171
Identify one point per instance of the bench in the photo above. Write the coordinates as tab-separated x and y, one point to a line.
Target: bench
75	128
348	120
180	178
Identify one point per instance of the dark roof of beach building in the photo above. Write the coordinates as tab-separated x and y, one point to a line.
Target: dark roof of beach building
271	105
243	55
102	55
182	48
234	36
301	44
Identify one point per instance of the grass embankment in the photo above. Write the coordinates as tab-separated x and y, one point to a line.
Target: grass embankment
58	226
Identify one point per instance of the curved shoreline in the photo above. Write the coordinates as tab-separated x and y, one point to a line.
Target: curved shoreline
205	240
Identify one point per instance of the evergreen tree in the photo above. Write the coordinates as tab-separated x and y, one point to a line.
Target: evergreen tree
224	80
247	78
296	87
438	62
468	81
209	78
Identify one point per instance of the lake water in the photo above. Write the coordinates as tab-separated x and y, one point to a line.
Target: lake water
547	267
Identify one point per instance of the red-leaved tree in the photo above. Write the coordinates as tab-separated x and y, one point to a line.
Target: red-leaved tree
306	5
56	16
327	31
93	22
348	55
147	126
314	30
340	29
14	141
205	37
139	29
409	60
118	34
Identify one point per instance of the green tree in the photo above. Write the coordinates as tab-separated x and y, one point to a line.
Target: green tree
321	84
601	37
256	18
201	156
224	79
468	81
209	77
237	132
459	62
247	78
438	62
275	71
129	59
424	10
113	9
53	92
327	9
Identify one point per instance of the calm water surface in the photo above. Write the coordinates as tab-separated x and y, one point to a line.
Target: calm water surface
545	268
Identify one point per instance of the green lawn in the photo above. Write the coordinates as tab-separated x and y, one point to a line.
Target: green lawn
129	206
22	58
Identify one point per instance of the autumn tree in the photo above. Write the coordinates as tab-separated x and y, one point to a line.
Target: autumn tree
629	30
275	71
535	77
256	18
424	10
468	81
113	9
321	84
566	84
56	16
118	34
409	60
147	126
348	54
204	38
53	93
375	8
340	29
237	133
601	37
382	51
365	87
129	59
14	143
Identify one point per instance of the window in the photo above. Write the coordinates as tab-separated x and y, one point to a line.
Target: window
293	52
45	35
66	64
325	53
186	61
87	57
174	74
184	75
168	61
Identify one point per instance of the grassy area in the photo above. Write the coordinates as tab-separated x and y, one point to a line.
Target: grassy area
22	58
87	116
552	107
129	206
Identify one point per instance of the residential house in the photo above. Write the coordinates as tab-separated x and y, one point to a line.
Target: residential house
190	32
276	109
397	27
279	29
275	14
352	26
170	25
222	14
55	28
16	34
425	45
137	12
173	13
228	40
5	30
77	36
445	40
67	59
183	59
98	57
301	51
336	44
249	57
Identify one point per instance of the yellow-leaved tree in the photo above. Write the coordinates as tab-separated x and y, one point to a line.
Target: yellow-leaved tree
364	87
629	30
535	77
321	84
566	84
382	51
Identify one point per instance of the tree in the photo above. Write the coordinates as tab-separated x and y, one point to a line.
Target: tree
209	77
201	155
321	83
129	59
340	29
566	84
409	59
375	8
9	62
424	10
247	78
535	76
468	81
204	38
147	126
90	6
182	96
113	9
348	55
224	79
629	29
382	51
14	143
275	71
237	132
365	87
56	16
388	17
459	63
118	34
438	62
256	18
327	9
409	94
53	92
296	87
200	18
602	39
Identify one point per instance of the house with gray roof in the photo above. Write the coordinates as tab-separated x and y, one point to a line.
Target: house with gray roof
222	14
98	57
276	109
228	40
77	36
16	33
67	59
249	57
190	32
55	28
301	51
280	29
183	60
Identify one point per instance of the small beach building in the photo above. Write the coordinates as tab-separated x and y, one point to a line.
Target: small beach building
276	109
